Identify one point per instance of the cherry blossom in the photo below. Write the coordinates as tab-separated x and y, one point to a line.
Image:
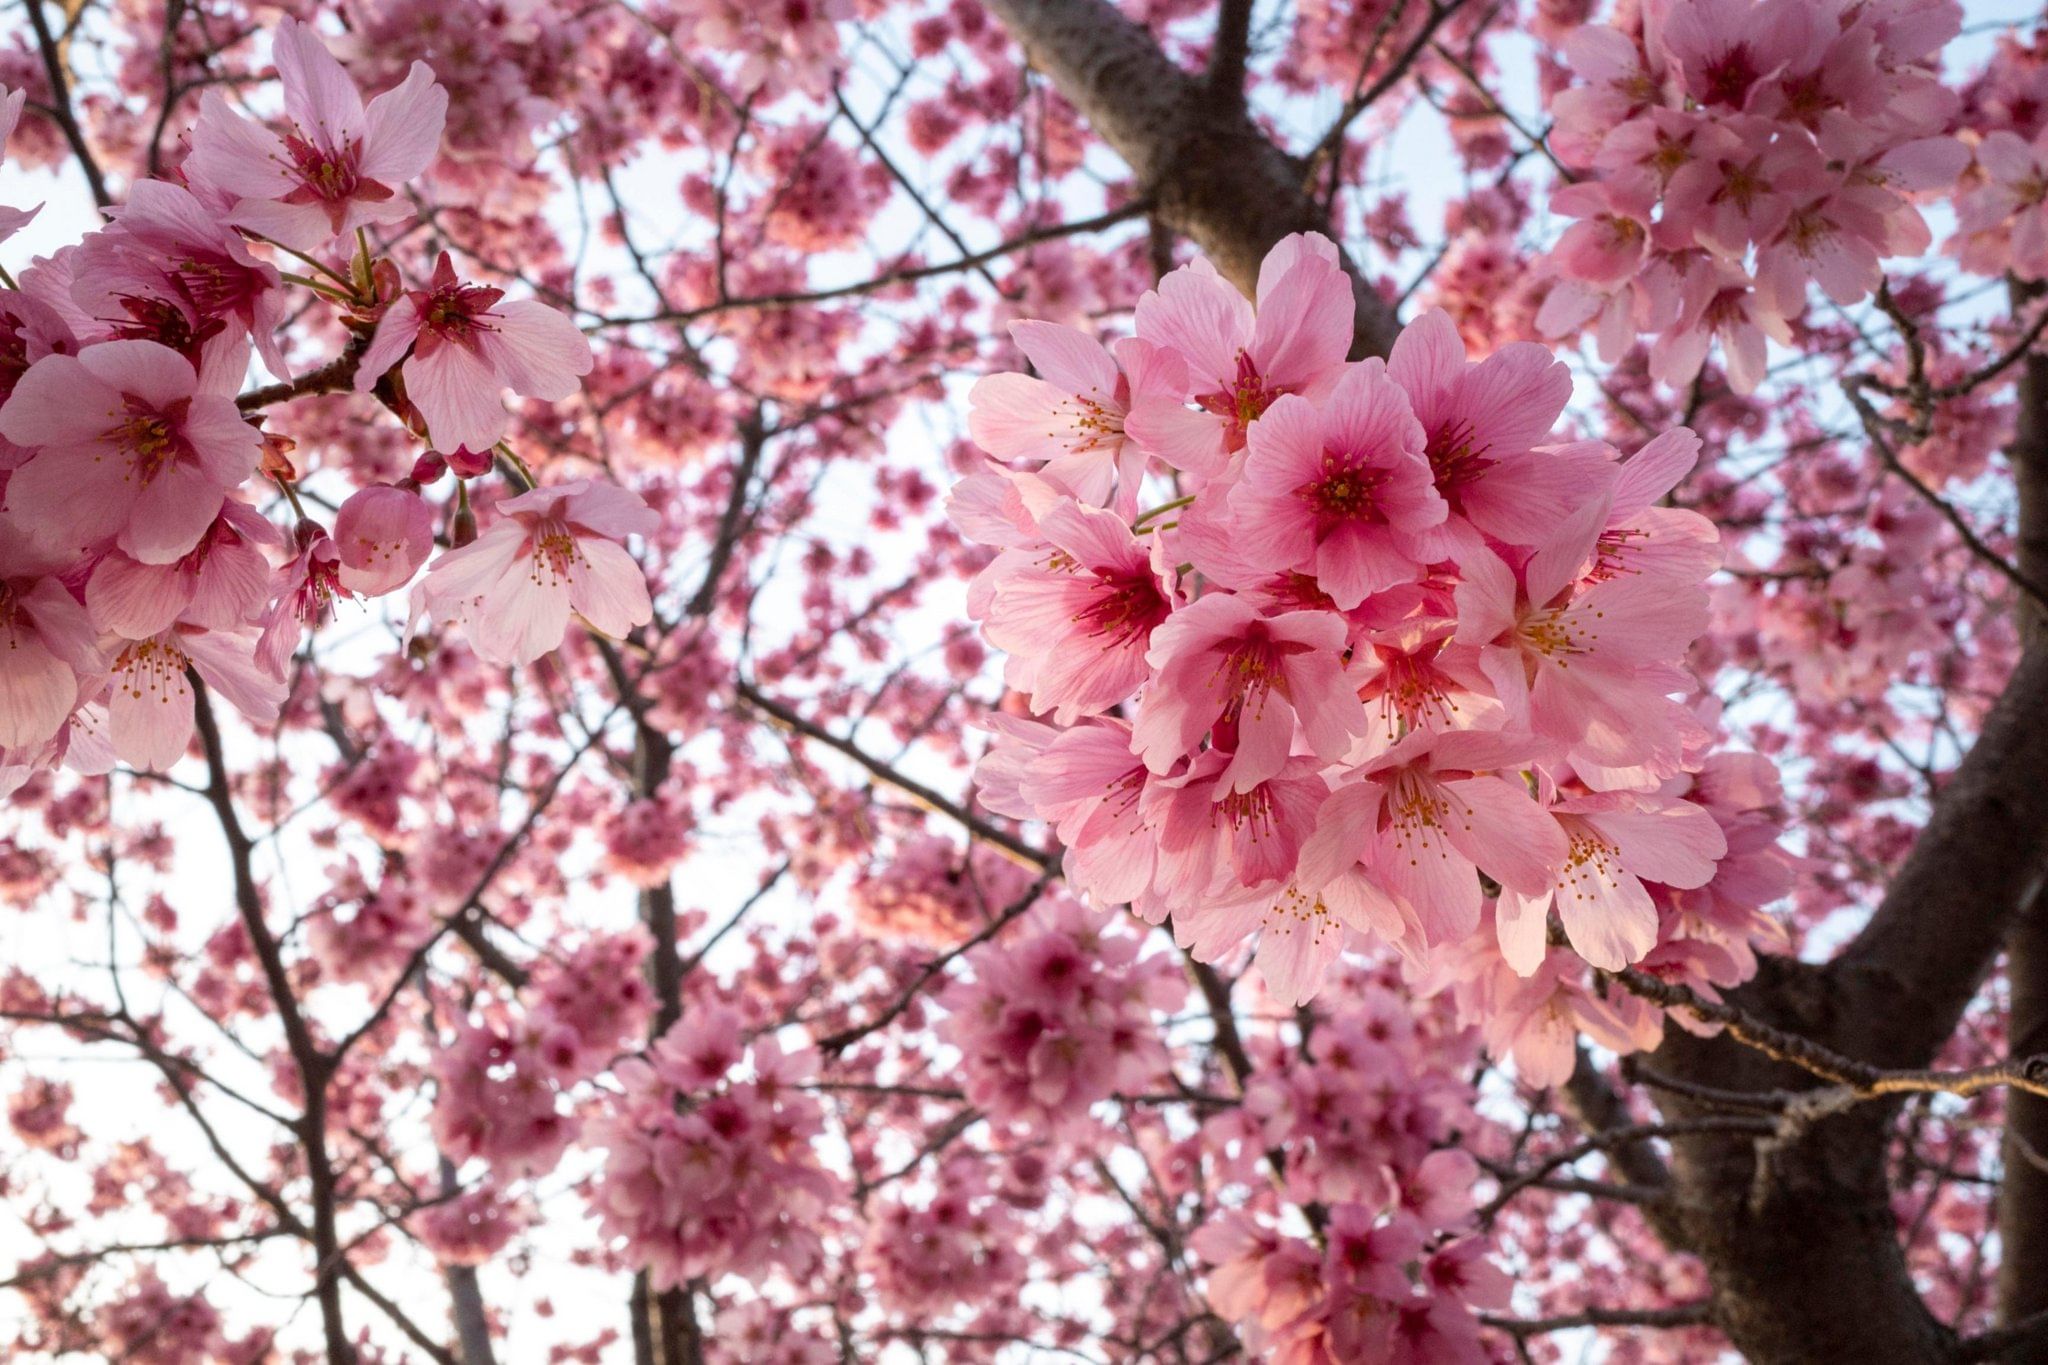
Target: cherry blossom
552	551
343	165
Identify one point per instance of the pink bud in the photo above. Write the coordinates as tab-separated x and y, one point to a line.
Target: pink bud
384	534
469	464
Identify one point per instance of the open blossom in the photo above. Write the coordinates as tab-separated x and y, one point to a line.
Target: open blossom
1482	423
341	166
1072	419
2012	200
149	706
1433	813
1339	489
132	444
1586	666
467	347
167	269
1240	359
1617	841
1078	619
1219	662
551	552
219	583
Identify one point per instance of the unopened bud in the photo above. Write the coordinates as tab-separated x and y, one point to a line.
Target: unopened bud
462	527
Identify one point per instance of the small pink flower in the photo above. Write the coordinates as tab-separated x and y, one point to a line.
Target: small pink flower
1617	841
1220	663
302	593
219	584
1339	489
467	349
1078	619
2013	198
1589	667
132	444
1072	419
172	266
1433	813
1239	361
384	534
150	707
552	551
342	166
1482	422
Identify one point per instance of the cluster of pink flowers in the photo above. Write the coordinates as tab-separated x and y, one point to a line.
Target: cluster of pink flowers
133	548
1393	647
1059	1015
591	1003
1736	152
933	890
710	1166
499	1100
1368	1118
153	1325
469	1228
961	1245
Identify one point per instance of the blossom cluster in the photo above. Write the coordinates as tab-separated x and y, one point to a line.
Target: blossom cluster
710	1166
1058	1015
1395	661
1367	1117
1727	155
135	547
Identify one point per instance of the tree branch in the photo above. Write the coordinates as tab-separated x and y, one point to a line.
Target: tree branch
1211	174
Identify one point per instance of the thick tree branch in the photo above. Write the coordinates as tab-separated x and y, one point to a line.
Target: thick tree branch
1209	171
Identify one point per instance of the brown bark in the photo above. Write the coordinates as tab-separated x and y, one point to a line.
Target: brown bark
1211	175
2023	1198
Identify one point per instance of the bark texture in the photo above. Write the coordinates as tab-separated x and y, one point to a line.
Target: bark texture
1211	174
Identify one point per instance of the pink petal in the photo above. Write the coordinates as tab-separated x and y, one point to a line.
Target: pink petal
538	351
404	128
459	396
608	589
136	600
318	95
1070	359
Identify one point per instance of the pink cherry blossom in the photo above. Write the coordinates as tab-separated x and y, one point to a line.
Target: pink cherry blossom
220	583
1481	424
150	707
342	166
1078	620
1339	490
466	349
551	552
172	269
1072	420
1219	662
132	445
1617	842
383	534
1240	358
